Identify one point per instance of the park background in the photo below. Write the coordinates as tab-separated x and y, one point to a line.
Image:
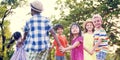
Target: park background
64	12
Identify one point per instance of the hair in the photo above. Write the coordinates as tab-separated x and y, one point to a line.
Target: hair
84	26
58	26
96	16
79	34
14	38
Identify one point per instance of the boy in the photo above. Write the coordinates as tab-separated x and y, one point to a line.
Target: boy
58	54
100	38
36	34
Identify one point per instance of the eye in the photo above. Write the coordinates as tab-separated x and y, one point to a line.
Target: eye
94	21
98	20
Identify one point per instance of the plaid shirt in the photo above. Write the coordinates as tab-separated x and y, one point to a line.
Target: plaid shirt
37	38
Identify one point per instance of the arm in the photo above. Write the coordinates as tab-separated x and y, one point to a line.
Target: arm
71	47
55	37
24	36
22	40
96	45
87	50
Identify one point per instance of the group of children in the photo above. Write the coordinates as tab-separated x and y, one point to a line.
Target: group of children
83	45
92	44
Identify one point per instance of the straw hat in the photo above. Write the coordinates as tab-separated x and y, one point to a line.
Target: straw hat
36	5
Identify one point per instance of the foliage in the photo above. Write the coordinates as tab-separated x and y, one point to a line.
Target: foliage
7	5
13	3
2	10
81	10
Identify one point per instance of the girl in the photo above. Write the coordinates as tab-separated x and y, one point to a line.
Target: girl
88	39
77	43
19	53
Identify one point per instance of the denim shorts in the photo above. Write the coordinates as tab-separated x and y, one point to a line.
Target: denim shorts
101	55
60	58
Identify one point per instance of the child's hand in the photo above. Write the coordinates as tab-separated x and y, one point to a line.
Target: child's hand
62	49
91	52
88	51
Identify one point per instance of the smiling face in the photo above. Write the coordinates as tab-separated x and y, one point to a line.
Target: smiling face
89	26
60	31
75	29
97	22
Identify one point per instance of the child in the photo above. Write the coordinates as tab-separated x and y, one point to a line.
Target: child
88	39
19	53
100	38
77	43
59	55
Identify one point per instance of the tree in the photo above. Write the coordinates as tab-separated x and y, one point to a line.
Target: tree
81	10
5	9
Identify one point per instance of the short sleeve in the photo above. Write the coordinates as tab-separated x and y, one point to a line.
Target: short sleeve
48	25
80	39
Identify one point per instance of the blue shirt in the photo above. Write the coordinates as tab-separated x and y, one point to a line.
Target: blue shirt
38	28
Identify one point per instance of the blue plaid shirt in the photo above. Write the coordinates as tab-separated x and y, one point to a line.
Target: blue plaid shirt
37	38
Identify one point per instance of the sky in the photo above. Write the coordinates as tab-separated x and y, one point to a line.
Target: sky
20	15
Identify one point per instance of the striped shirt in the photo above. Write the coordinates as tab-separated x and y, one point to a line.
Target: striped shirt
101	34
37	39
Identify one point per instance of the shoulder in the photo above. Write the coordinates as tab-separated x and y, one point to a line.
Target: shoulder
44	18
39	17
80	38
102	30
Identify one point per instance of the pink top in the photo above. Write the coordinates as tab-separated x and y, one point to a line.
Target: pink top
77	53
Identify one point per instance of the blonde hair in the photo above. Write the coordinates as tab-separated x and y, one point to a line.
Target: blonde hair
96	16
85	23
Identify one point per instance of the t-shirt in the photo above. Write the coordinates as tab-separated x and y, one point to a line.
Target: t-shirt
63	42
101	34
77	53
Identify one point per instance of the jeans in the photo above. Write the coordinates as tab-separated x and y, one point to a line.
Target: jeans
60	58
101	55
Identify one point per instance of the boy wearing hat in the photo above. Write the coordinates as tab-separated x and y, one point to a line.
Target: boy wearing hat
36	34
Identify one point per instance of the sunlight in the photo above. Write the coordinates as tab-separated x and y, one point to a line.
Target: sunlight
20	15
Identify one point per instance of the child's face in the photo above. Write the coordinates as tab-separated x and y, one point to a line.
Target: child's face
89	26
97	22
74	29
60	31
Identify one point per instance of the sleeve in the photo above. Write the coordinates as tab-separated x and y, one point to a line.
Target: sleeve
48	25
26	27
80	39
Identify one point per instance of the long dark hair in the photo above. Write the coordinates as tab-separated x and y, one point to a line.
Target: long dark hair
71	35
14	38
